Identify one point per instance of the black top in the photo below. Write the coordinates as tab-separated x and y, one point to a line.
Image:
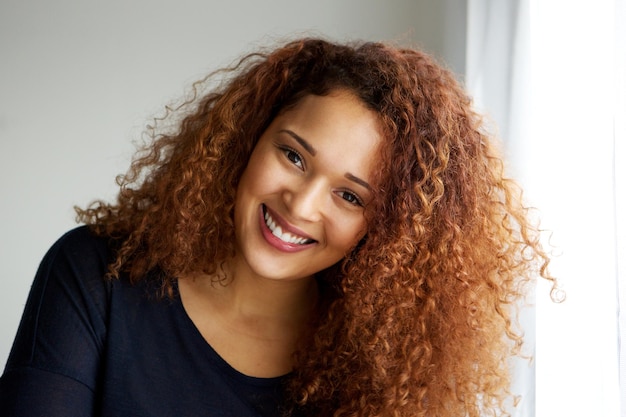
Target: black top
91	347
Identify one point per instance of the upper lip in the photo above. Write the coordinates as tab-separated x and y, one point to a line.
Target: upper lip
285	225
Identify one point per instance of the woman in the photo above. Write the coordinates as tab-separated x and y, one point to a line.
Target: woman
328	233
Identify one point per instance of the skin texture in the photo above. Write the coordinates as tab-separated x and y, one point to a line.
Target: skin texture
308	190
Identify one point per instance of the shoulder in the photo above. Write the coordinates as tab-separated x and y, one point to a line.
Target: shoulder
81	241
66	311
74	268
79	253
60	341
77	263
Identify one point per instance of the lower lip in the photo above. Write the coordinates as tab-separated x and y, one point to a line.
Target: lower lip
276	242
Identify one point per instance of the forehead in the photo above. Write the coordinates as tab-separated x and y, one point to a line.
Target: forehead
336	118
338	126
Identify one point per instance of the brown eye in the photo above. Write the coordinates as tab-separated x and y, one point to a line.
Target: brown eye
293	156
351	198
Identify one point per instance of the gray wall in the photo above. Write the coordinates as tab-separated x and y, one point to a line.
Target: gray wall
80	79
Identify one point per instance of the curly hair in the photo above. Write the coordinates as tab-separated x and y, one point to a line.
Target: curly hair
420	318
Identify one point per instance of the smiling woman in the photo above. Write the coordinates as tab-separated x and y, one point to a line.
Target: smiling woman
330	233
306	188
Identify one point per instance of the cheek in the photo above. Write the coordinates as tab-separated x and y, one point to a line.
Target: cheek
347	234
261	174
253	180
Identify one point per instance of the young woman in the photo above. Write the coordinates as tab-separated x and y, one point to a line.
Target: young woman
329	233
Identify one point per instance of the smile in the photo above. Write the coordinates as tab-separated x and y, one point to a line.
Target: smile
281	234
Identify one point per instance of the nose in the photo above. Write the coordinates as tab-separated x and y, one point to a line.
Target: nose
307	200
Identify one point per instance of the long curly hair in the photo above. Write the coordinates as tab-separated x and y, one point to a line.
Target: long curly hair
420	318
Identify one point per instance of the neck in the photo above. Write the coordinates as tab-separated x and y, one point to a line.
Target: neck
252	322
267	299
269	306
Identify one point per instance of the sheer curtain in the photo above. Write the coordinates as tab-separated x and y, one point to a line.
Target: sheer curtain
551	74
498	75
620	187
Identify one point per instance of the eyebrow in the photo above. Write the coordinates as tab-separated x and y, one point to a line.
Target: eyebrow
310	149
358	181
306	145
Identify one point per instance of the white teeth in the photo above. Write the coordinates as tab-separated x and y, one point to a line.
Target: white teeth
278	232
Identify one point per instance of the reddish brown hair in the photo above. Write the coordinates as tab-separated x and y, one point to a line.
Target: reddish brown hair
420	317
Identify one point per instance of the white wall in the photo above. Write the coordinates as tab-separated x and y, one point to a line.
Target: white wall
79	80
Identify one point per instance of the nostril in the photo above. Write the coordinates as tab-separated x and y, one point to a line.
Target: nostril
307	201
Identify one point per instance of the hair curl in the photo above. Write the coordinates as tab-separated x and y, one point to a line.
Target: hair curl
420	318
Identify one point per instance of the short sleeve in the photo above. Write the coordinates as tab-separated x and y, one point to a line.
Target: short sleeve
55	363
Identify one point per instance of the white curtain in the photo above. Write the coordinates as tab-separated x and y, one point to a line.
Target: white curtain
498	76
620	187
551	75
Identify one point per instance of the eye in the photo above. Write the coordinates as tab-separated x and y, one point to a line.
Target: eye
292	155
351	198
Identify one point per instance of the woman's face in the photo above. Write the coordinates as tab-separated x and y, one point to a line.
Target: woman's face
301	199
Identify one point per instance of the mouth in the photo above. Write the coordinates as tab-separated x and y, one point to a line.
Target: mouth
281	233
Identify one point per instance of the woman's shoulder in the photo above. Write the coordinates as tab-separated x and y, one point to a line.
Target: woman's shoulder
81	250
84	240
66	312
77	264
78	256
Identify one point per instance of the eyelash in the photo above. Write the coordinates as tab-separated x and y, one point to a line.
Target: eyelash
357	200
287	151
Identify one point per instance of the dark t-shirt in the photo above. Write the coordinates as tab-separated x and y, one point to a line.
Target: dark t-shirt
91	347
